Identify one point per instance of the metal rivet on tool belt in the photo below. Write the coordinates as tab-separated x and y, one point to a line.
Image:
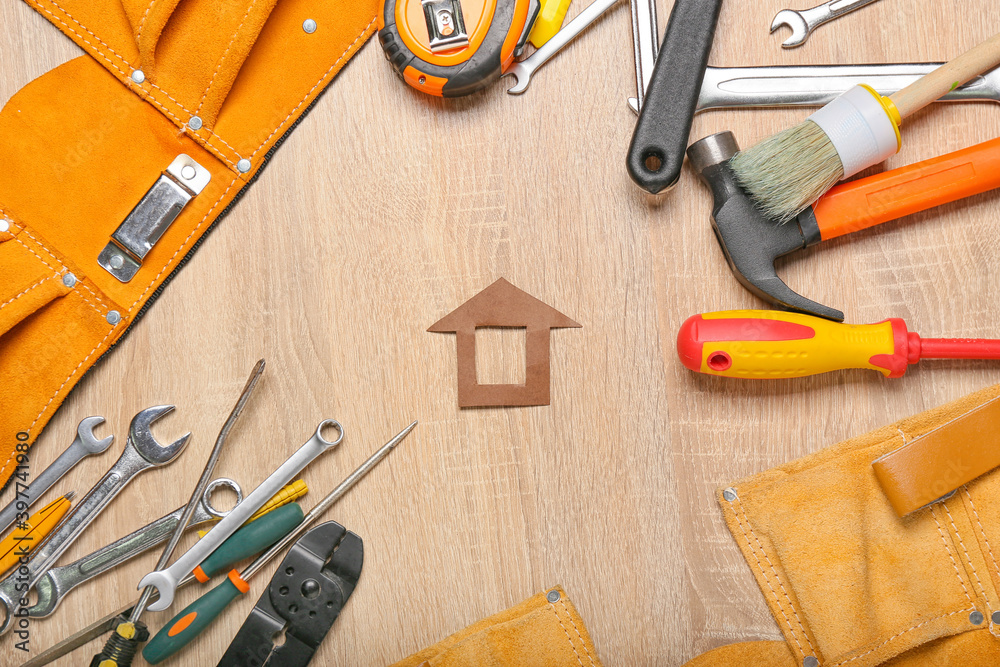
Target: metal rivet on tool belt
114	317
116	262
69	280
243	165
4	226
729	494
976	618
309	26
138	76
810	661
188	172
552	596
996	617
194	123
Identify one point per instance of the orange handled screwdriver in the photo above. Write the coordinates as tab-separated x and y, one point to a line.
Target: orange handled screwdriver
766	344
870	201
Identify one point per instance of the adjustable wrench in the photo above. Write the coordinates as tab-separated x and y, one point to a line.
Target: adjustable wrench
803	21
167	580
142	452
59	581
84	444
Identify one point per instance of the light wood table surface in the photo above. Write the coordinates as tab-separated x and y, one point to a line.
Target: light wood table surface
386	209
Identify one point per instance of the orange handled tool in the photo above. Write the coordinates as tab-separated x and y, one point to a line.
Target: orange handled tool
768	344
871	201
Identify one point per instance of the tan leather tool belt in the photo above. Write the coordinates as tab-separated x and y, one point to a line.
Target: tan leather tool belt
848	580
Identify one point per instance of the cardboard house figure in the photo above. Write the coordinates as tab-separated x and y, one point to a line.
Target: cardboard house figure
503	305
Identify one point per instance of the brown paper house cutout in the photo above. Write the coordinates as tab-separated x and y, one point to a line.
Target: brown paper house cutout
503	305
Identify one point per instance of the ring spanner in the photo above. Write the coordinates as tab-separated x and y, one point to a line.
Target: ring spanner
166	580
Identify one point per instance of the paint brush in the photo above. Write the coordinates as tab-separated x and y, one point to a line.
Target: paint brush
789	171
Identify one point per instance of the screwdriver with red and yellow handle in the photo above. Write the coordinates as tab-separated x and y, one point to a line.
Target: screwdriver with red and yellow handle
769	344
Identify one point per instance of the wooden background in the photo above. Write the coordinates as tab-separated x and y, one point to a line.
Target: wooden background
386	209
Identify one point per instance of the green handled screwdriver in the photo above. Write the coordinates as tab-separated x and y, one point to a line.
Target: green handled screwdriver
198	615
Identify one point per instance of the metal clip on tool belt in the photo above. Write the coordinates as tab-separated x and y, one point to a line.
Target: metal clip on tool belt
183	180
933	466
304	598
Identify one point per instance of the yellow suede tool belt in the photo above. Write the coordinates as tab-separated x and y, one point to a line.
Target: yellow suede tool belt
173	112
850	582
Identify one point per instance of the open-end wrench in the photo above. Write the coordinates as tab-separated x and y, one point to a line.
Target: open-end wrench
142	452
816	85
522	71
84	444
59	581
167	580
803	21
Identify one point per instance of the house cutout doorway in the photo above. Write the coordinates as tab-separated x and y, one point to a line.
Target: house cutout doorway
503	305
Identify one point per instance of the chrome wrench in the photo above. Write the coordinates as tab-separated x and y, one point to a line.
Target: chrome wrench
816	85
803	21
84	444
166	581
645	40
142	452
59	581
522	71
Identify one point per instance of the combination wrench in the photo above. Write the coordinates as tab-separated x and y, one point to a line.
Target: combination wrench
803	21
522	71
84	444
166	580
142	452
59	581
817	85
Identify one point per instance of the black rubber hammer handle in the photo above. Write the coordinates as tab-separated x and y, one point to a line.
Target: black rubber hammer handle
660	139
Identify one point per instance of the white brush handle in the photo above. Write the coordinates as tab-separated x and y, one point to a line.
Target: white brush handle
949	76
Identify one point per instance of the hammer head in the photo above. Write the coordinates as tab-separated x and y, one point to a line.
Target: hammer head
749	239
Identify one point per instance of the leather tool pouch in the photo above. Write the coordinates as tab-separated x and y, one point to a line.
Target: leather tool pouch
81	147
852	583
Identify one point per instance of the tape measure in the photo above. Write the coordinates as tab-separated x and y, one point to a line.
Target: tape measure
451	48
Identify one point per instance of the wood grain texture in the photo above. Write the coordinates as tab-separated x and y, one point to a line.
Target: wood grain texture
386	209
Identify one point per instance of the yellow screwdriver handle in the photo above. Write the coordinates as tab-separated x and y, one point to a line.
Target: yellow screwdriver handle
766	344
25	538
289	494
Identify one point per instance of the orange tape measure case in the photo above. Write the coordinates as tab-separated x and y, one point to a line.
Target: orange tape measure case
452	48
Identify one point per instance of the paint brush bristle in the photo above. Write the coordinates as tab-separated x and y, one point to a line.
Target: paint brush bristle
786	173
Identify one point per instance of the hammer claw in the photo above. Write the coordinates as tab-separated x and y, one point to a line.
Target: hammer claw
749	240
